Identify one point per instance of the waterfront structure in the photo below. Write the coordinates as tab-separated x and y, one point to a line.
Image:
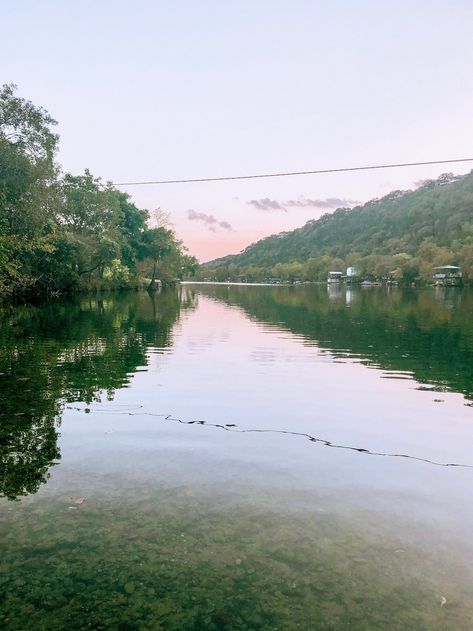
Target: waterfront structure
448	275
334	277
352	275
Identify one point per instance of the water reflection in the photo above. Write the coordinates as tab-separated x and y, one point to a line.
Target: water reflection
427	335
64	352
249	472
84	351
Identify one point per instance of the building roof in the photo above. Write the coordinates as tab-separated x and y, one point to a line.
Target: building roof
447	267
336	273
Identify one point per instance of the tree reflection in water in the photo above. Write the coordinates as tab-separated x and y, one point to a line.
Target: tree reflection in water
65	352
85	350
427	334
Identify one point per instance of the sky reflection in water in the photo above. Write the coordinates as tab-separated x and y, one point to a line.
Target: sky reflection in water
97	386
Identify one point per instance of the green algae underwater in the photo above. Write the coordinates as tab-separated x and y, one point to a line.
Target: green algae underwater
179	560
113	518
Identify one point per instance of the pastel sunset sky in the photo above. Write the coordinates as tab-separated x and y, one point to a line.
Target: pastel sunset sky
148	90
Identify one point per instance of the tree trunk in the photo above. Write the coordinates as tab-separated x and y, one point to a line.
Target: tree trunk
152	286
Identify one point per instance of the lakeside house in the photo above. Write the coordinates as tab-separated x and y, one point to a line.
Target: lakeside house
448	275
334	277
352	275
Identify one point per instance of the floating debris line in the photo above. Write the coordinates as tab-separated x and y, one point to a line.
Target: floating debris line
233	427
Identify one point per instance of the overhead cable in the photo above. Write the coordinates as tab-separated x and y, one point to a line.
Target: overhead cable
293	173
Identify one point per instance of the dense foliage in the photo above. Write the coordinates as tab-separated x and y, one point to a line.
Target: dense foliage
60	233
402	235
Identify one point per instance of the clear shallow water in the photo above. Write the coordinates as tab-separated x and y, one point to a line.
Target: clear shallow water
238	458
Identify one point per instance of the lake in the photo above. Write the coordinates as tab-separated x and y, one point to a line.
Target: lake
231	457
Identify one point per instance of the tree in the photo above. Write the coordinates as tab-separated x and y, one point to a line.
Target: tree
28	197
88	207
409	273
132	223
155	245
26	126
58	234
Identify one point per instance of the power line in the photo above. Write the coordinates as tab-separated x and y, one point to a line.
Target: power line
292	173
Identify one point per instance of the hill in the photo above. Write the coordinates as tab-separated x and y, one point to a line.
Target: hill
406	232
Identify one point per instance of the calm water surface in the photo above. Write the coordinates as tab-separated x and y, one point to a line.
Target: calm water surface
238	458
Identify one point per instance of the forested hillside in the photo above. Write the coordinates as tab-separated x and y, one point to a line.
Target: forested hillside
405	233
61	233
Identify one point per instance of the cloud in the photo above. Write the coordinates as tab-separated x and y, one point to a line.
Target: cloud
329	202
209	220
268	204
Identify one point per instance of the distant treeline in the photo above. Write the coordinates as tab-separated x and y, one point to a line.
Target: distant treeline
61	233
401	236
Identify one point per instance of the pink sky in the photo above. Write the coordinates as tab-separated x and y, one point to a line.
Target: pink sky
161	90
